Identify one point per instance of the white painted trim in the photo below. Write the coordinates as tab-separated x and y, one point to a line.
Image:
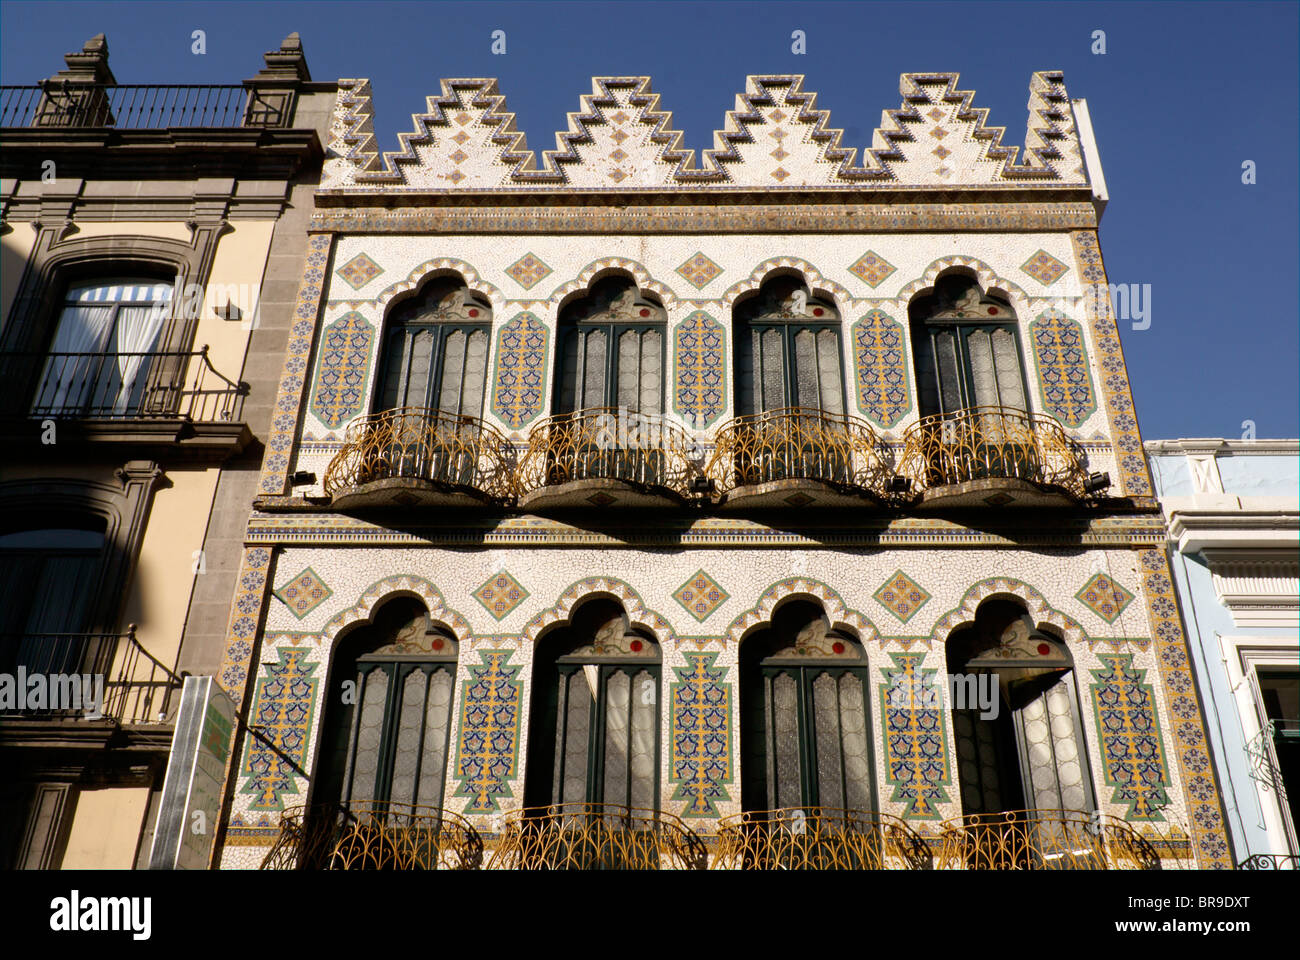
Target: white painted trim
1091	156
1236	448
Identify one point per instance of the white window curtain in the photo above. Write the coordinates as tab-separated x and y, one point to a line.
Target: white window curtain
137	334
69	380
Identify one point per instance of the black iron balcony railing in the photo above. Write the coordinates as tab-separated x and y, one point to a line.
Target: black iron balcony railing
148	106
1043	840
373	835
1274	738
797	443
1270	861
419	443
606	443
92	675
983	443
166	384
818	838
596	836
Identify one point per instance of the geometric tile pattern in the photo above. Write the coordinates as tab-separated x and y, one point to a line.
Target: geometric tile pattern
1129	730
342	373
700	595
528	271
500	594
881	364
699	739
699	377
245	611
901	596
1190	740
359	271
699	270
916	742
282	710
304	593
1104	597
520	370
288	400
1134	480
1044	268
487	749
1062	364
872	269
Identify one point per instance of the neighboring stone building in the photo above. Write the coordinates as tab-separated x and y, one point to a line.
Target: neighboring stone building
611	479
153	238
1233	508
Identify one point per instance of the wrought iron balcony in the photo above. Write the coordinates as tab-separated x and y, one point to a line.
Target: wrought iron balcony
1270	861
602	456
148	106
994	456
594	836
818	838
374	836
416	455
155	385
796	456
76	668
1043	840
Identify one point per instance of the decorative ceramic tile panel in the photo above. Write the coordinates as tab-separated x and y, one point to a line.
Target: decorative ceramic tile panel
282	710
487	749
700	380
902	596
1104	597
500	594
1044	268
343	370
880	363
699	271
700	736
1062	364
1133	752
700	595
246	610
304	593
520	378
872	269
916	741
359	271
528	271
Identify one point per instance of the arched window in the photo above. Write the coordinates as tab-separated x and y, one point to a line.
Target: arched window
388	713
1022	747
967	349
105	350
803	697
594	730
788	350
611	351
436	350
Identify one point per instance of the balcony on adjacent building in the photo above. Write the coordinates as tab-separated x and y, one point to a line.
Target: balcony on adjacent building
796	457
596	836
1043	840
372	835
992	456
819	838
418	456
605	456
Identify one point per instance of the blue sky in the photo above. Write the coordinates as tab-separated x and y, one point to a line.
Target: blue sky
1185	93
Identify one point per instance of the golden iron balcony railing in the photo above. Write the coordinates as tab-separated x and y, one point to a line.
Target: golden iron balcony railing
797	443
646	451
94	675
372	835
1043	840
818	838
986	443
596	836
446	450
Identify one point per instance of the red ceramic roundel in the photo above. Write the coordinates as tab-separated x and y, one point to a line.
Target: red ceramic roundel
837	647
473	313
636	646
1044	649
818	311
645	312
437	643
993	311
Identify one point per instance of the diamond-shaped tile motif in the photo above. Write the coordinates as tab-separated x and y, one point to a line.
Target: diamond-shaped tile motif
1044	268
304	593
699	270
999	499
500	594
799	499
780	174
872	269
359	271
902	596
601	499
1104	597
700	595
528	271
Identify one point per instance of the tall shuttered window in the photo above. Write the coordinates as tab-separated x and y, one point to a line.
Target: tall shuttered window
611	351
788	351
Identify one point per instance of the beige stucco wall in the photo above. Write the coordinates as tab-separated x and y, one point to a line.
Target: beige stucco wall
106	828
17	247
236	275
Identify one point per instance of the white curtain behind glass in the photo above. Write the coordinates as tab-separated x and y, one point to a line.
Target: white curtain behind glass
68	380
137	334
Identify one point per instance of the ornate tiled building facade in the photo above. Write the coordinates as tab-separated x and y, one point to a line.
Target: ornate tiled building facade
947	432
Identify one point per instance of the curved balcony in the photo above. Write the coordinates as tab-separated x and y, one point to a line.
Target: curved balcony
818	838
1043	840
603	456
415	456
374	836
596	836
992	456
796	457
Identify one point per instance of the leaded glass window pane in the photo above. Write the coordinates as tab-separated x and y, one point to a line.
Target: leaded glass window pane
611	351
435	353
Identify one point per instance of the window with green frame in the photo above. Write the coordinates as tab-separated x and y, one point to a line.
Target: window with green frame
611	351
804	703
787	350
388	714
594	727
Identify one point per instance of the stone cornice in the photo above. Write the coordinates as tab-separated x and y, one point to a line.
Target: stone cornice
1220	446
1195	530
